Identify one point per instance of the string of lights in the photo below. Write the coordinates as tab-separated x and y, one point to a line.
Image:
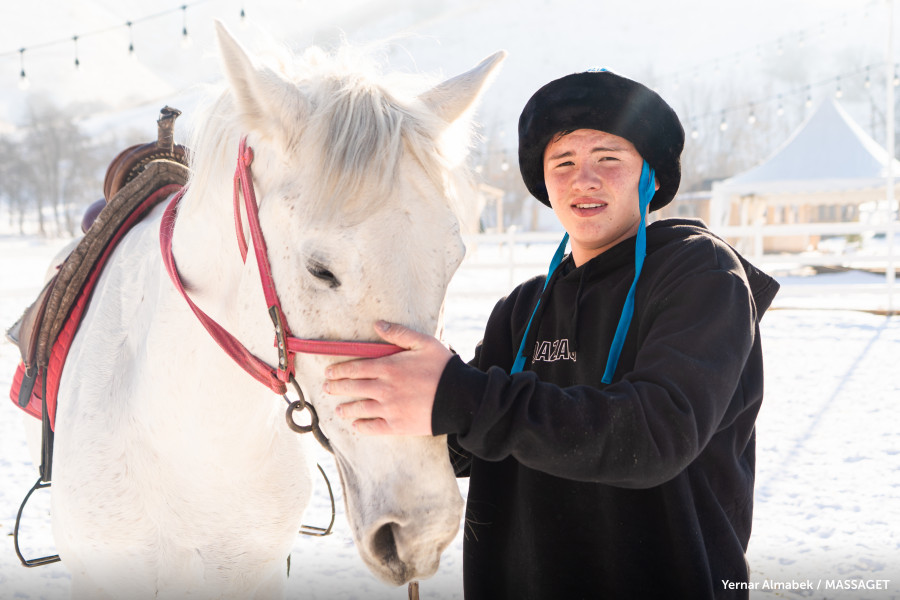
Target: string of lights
776	45
129	25
751	109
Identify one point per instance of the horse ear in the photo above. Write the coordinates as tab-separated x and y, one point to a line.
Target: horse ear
452	98
262	95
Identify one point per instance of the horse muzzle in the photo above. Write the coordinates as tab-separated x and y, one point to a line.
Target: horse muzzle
403	510
399	552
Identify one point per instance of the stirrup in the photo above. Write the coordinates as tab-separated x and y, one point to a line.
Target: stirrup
34	562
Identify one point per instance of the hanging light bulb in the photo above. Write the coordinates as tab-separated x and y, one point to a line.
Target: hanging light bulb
723	124
751	119
23	78
868	82
185	38
694	133
838	93
896	78
130	40
808	97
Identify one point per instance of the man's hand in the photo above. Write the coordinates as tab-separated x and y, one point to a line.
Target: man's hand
398	389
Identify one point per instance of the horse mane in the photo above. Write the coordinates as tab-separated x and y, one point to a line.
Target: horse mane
357	124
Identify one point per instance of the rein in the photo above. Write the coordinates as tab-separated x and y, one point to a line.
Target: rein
275	378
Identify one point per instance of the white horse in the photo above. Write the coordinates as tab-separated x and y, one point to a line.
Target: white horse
174	472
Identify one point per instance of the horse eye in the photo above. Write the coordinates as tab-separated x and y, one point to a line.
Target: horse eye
320	271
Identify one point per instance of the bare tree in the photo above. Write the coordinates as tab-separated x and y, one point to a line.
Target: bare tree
54	169
13	185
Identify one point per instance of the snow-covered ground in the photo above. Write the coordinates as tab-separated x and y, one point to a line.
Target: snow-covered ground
828	468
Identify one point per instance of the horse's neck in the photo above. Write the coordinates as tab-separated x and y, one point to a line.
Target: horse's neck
218	281
204	239
205	246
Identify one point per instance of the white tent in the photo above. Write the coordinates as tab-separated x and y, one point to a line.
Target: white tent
829	161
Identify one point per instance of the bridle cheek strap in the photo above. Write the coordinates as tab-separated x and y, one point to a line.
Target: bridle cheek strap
274	378
243	184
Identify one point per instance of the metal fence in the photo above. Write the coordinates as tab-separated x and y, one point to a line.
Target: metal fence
495	263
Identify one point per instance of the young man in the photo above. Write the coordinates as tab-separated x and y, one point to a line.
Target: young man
606	422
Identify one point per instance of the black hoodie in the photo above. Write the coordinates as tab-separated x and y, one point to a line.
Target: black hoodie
642	488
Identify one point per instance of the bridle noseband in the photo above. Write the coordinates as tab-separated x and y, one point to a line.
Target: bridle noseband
288	346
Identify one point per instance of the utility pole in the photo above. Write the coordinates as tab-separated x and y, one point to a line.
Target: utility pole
890	73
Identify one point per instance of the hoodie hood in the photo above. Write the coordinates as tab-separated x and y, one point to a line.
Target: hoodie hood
763	287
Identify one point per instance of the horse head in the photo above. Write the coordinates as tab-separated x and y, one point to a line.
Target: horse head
362	188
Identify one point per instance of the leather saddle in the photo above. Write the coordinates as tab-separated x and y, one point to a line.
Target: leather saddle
131	161
132	177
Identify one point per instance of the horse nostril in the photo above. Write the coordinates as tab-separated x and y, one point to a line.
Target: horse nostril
384	543
383	547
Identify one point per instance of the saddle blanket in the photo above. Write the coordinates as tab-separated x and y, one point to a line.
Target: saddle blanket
30	384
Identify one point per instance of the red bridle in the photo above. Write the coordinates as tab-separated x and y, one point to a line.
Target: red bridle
275	378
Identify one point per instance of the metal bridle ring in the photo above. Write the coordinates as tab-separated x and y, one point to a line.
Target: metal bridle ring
289	416
299	405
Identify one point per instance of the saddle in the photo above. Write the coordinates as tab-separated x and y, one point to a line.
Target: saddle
137	180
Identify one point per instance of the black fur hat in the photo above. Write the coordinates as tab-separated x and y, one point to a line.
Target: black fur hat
607	102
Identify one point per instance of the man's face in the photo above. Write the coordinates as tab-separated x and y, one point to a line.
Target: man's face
592	181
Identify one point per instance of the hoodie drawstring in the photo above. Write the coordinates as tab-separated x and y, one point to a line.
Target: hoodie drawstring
646	190
519	363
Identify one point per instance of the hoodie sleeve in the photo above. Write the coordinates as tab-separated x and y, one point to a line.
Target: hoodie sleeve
692	340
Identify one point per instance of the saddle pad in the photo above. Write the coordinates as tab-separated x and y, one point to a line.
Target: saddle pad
63	340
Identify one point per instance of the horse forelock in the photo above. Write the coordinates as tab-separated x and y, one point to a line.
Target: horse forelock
350	137
357	136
